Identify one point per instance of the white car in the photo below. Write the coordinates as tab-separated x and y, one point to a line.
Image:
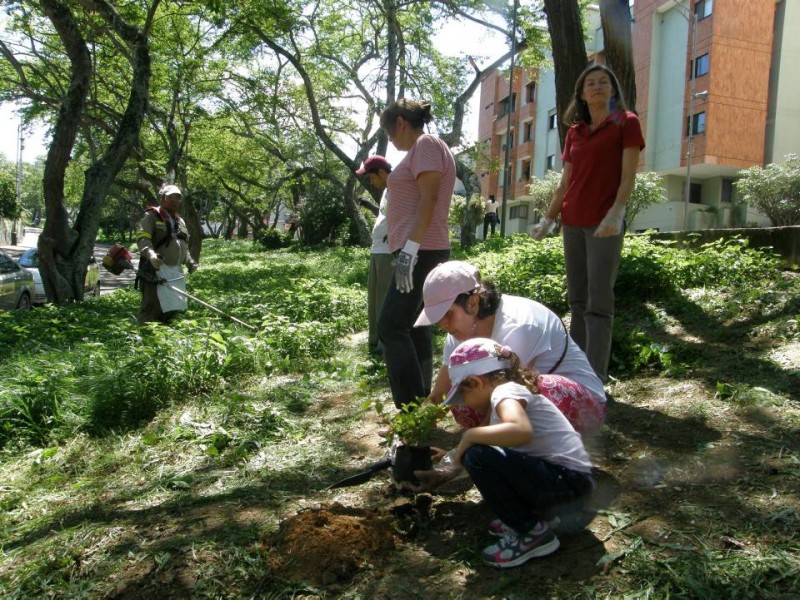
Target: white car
30	262
16	285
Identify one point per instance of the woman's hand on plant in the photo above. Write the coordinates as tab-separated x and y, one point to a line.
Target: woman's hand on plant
437	454
433	479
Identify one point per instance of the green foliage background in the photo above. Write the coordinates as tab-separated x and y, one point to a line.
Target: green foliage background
88	367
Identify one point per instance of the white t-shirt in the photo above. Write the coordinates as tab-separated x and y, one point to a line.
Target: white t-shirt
537	336
380	231
554	439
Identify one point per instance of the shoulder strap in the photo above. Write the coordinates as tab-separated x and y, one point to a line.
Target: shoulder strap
167	221
564	353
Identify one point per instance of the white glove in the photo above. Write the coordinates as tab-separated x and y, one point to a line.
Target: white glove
156	262
612	222
404	267
446	470
540	230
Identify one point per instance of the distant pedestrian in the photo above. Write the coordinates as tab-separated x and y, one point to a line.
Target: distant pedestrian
163	241
489	215
381	267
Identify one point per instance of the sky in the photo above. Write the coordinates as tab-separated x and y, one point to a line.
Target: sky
454	39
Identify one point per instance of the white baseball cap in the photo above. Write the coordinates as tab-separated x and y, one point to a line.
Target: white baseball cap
169	190
477	356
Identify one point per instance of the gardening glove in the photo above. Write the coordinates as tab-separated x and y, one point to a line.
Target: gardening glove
192	267
404	267
612	222
156	262
541	229
446	470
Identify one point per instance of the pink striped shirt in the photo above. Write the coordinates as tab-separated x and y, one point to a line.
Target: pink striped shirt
428	153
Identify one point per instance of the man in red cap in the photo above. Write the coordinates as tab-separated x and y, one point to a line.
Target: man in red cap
376	168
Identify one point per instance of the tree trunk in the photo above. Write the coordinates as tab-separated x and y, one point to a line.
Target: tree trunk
194	226
359	231
471	187
569	52
615	16
59	273
65	251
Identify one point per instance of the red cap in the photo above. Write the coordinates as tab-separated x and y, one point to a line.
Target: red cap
373	163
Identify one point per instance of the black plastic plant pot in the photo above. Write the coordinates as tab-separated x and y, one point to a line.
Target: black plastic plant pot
408	459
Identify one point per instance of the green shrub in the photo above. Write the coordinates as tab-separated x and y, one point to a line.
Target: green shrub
272	239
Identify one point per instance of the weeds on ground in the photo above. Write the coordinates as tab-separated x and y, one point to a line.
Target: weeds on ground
113	482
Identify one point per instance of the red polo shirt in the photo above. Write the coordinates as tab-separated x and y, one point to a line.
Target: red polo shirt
596	159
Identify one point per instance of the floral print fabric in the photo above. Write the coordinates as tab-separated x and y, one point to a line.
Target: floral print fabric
582	408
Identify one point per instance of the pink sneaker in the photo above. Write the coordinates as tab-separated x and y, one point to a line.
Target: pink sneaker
513	550
498	529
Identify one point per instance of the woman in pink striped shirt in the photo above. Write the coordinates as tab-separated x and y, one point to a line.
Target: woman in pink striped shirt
421	187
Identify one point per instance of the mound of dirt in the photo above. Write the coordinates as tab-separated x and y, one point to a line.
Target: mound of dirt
330	544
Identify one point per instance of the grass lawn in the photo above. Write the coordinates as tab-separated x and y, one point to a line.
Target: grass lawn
194	460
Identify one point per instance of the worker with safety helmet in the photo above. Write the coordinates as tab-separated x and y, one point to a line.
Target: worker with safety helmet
163	241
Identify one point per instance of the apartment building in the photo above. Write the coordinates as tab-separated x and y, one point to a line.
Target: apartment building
714	95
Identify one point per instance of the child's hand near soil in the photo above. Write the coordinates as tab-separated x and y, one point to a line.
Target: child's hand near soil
446	470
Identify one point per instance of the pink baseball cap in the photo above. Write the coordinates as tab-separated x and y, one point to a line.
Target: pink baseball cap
477	356
442	286
373	163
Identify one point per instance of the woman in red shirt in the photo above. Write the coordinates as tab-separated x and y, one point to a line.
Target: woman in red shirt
601	154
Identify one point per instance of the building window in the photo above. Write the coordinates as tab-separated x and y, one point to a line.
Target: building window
504	109
518	212
695	193
527	134
530	92
551	163
701	65
726	194
525	172
703	8
699	123
510	141
552	120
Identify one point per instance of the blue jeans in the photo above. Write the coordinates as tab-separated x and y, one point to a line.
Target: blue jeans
592	265
522	489
408	350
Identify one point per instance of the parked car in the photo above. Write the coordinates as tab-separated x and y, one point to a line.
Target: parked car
16	285
30	261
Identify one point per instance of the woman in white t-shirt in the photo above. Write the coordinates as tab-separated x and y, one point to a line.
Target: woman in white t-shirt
421	187
465	307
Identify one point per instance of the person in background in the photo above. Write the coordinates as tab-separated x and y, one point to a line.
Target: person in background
377	169
528	462
163	239
420	190
601	155
458	301
489	215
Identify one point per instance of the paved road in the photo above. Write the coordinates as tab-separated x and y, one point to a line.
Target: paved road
108	281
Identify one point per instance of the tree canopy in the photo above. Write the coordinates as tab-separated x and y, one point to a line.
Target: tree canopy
249	107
